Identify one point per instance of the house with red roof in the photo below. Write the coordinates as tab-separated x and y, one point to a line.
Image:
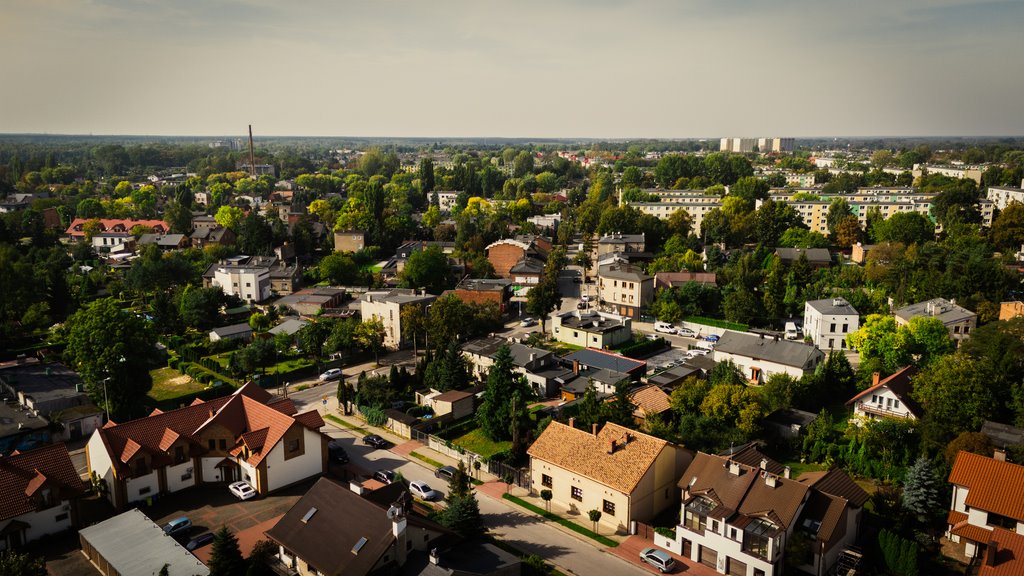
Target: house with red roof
37	493
247	436
988	494
77	228
887	398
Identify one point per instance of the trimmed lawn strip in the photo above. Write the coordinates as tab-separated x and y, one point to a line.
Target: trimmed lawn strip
344	423
559	520
426	459
476	442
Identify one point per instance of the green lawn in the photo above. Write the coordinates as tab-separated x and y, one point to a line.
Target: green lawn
564	522
168	384
475	441
345	423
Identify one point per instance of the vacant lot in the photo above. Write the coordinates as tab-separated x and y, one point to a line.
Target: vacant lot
168	383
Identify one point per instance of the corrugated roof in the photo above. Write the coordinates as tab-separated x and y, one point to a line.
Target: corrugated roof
119	541
586	454
992	485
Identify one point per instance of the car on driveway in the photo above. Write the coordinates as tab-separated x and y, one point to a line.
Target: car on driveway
375	440
528	322
658	558
178	526
242	490
330	374
693	353
681	331
445	473
336	452
423	491
199	541
384	476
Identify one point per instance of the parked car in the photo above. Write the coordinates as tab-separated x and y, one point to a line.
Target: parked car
652	336
178	526
445	473
792	333
242	490
199	541
528	322
682	331
337	452
712	338
330	374
664	327
658	558
697	352
423	491
384	476
375	441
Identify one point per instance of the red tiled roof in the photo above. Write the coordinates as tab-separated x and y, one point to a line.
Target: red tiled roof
900	385
22	474
992	485
1007	548
311	420
109	223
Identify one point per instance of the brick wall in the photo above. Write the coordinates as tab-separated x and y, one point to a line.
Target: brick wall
503	257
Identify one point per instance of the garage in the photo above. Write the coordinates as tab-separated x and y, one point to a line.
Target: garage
735	568
708	557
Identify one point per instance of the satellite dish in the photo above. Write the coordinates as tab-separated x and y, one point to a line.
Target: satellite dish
393	513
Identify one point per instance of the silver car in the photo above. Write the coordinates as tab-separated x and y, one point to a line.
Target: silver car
658	558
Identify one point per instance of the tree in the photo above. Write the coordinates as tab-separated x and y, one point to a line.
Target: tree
13	563
426	269
462	515
449	370
200	307
544	298
773	219
369	334
111	349
226	557
838	209
905	227
956	395
346	394
1008	228
495	414
595	517
546	495
229	216
973	442
921	491
262	555
459	485
414	323
426	176
313	337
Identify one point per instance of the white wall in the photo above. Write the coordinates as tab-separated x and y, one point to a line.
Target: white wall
100	463
210	471
134	485
725	547
45	522
281	473
883	399
767	368
174	474
818	327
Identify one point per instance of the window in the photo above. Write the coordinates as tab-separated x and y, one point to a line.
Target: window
179	454
1001	521
831	342
293	445
832	327
956	329
577	493
61	517
874	398
46	498
223	444
140	466
212	444
732	533
545	480
145	490
845	327
186	476
608	507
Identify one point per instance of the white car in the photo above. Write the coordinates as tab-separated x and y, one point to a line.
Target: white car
242	490
664	327
423	491
681	331
697	352
528	322
331	374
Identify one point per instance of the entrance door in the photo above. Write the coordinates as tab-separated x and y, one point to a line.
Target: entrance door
687	548
76	429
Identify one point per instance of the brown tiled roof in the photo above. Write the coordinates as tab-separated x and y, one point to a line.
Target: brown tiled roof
900	384
838	483
828	510
452	396
311	419
24	473
751	456
586	454
1008	557
708	472
780	503
649	400
242	413
992	485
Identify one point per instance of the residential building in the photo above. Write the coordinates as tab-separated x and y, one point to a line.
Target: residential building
539	367
986	496
759	356
165	242
1010	310
737	518
624	289
249	283
458	403
604	381
676	279
40	489
590	328
958	171
622	243
76	230
109	242
51	390
21	428
387	307
887	398
1004	555
648	400
244	436
627	475
315	301
828	321
589	358
218	236
288	326
696	205
739	145
1002	436
332	530
349	240
1003	196
445	200
114	545
958	320
483	291
788	423
859	252
816	257
527	252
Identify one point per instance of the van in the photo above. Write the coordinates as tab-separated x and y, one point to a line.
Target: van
664	327
791	331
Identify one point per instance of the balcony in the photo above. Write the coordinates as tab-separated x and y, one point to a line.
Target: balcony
880	410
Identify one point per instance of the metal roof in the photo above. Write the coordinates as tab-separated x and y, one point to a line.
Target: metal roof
120	539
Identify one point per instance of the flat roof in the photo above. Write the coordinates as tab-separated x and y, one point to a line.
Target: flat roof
120	540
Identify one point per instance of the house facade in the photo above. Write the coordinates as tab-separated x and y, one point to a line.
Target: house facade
41	487
625	289
887	398
827	322
985	497
244	436
525	251
591	329
759	356
539	367
387	307
349	240
625	474
251	284
958	320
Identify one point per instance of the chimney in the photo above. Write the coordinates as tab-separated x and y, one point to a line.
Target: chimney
356	487
435	558
874	378
572	422
212	412
764	463
771	480
999	454
991	553
786	472
398	523
611	445
576	367
734	468
533	356
593	428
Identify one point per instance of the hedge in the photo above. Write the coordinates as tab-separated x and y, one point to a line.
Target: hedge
642	348
717	323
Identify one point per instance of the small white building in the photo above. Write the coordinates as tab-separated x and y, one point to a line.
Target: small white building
887	398
827	322
759	356
591	329
251	284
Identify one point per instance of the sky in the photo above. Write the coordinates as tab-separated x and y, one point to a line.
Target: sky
516	69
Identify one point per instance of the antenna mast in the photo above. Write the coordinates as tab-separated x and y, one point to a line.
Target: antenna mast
252	158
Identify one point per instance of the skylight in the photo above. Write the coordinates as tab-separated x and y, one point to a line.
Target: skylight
309	515
359	545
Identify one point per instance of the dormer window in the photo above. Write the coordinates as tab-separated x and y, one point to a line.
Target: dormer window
140	467
179	454
46	497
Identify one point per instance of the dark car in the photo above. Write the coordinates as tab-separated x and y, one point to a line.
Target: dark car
375	441
337	452
199	541
384	476
445	473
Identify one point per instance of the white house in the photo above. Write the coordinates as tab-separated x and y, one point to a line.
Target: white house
244	436
591	329
888	398
827	322
986	499
759	356
958	320
251	284
39	488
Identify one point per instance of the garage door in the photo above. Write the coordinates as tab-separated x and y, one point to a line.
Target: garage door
708	557
736	568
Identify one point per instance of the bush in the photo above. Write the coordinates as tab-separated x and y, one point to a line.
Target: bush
644	347
374	416
666	532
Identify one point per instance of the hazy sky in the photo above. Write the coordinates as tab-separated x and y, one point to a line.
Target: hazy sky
584	68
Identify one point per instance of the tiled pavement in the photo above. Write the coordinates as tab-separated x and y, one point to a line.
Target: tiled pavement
630	548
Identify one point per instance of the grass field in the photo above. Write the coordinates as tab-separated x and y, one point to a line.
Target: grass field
168	384
475	441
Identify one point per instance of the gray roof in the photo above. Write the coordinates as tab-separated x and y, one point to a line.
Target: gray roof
464	560
578	385
780	351
489	346
673	376
289	326
120	539
527	265
789	416
51	387
593	322
623	272
621	238
485	284
1002	435
940	308
225	331
16	420
598	359
813	254
171	240
832	306
398	296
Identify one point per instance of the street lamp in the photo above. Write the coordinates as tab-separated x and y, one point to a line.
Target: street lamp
106	403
